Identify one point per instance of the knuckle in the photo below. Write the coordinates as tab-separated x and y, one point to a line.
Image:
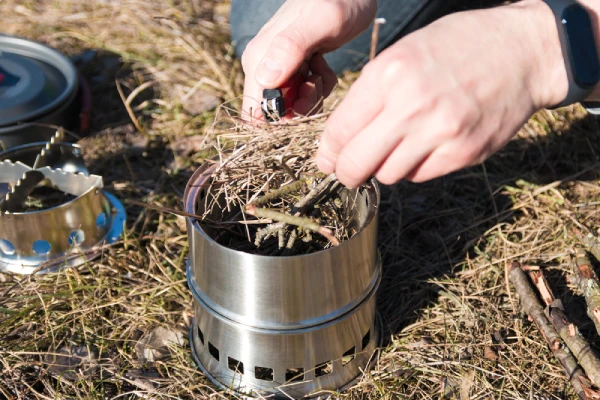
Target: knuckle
249	55
351	171
292	41
386	178
452	119
334	9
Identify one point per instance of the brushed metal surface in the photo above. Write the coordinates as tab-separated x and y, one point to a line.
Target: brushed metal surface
28	239
65	156
283	292
279	351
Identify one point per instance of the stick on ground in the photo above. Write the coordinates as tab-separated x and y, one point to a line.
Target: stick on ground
568	331
534	309
588	284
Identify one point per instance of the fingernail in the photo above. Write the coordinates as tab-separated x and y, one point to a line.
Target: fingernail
268	72
325	165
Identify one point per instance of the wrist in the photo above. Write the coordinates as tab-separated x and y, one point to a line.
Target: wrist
547	74
593	8
549	81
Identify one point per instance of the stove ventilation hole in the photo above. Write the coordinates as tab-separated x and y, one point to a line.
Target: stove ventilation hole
76	237
213	351
366	339
201	336
294	375
235	365
265	374
7	247
102	221
323	369
349	356
41	247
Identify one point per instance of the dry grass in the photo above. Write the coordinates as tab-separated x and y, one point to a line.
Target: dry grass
446	243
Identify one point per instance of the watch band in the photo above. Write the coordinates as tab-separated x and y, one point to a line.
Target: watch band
575	93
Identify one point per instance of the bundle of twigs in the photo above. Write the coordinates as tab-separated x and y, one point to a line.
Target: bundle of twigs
266	195
578	359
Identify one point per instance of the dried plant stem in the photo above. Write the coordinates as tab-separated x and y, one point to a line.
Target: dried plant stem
567	330
302	222
532	307
375	37
291	239
280	192
313	194
588	284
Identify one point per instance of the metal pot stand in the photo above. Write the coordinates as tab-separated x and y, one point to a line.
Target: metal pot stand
68	234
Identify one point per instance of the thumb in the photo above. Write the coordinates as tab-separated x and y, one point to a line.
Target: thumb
286	53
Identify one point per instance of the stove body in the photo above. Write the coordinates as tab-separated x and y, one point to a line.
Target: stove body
284	326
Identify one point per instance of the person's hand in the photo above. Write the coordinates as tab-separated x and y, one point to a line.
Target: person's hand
447	96
293	42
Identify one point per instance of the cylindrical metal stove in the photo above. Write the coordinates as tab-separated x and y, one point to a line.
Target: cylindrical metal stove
284	326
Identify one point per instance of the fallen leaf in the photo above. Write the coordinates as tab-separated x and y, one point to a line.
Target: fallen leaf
71	362
154	345
490	353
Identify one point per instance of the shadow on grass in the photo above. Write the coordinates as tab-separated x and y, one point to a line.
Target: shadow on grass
429	231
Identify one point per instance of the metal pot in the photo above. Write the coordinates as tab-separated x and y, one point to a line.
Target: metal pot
38	86
260	319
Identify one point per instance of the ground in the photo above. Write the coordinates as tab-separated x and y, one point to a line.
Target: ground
446	244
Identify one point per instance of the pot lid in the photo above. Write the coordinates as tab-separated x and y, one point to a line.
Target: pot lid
34	80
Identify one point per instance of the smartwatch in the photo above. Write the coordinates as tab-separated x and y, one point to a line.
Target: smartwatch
578	42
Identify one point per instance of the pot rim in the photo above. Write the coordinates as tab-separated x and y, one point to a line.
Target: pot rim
41	52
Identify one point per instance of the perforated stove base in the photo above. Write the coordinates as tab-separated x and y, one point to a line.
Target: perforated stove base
281	395
75	258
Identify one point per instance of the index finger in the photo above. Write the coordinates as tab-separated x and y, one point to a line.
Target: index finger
362	104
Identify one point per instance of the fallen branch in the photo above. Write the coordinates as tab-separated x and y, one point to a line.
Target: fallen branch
567	330
588	284
302	222
532	307
576	343
589	241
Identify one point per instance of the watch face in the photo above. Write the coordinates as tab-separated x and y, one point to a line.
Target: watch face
582	46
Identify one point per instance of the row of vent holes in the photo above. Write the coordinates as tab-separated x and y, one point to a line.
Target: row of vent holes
292	374
43	247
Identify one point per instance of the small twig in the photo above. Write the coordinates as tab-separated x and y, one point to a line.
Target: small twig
281	238
567	330
534	309
375	37
302	222
584	276
287	169
127	103
291	239
163	209
280	192
313	194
